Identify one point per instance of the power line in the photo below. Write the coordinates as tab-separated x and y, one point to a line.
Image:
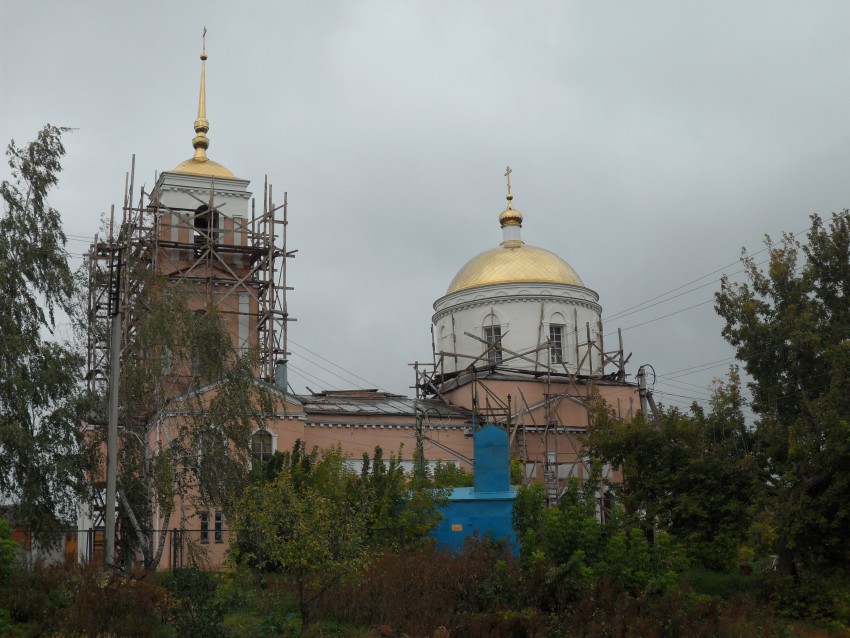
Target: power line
310	377
670	314
316	354
674	385
321	367
698	279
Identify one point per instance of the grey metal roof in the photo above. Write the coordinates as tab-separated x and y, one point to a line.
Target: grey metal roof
371	402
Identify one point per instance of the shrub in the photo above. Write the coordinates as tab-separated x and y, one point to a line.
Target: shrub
101	604
194	610
418	590
10	552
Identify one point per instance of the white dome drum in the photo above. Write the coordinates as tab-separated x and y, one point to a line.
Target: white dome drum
517	307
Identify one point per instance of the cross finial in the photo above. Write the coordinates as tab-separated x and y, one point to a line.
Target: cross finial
202	125
508	172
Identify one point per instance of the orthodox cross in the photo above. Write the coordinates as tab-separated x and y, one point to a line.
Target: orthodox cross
508	172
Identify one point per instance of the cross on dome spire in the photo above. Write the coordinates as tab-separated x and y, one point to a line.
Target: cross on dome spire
202	125
510	220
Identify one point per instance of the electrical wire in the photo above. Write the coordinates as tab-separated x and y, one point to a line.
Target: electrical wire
310	377
336	365
628	310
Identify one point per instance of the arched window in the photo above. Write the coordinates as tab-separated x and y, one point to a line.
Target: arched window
493	337
261	445
557	339
206	223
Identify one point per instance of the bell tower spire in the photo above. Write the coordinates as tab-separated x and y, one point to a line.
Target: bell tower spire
199	163
201	143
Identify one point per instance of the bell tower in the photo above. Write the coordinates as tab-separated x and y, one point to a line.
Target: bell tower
200	228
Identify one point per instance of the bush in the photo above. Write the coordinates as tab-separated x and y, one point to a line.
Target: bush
418	590
101	604
81	601
10	552
36	597
194	610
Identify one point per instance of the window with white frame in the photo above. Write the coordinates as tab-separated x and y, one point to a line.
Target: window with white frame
205	527
261	445
219	528
556	344
493	337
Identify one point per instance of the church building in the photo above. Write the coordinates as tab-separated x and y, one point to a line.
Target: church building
518	338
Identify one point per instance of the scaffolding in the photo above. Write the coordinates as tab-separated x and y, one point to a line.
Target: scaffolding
535	440
141	241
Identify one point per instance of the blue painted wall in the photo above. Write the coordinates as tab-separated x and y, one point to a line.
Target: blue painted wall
492	460
485	508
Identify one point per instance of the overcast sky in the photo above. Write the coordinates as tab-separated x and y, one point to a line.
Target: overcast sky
649	142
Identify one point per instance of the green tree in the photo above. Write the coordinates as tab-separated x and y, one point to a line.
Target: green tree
790	326
400	508
452	475
691	475
43	459
403	508
315	530
565	550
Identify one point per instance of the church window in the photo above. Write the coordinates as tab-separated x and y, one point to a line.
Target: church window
205	527
219	532
493	337
556	344
261	445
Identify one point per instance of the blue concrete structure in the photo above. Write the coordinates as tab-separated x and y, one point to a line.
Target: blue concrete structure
485	508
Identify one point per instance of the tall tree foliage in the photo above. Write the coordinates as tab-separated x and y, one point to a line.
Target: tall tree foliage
689	475
790	326
189	403
42	460
565	550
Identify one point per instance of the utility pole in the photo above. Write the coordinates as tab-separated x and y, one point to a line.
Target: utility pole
647	402
112	423
419	468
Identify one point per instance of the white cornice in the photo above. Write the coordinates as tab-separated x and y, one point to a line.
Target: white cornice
181	182
517	291
514	299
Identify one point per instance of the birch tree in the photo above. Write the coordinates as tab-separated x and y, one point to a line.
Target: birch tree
44	461
189	403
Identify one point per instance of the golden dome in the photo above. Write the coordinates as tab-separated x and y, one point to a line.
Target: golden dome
205	168
514	262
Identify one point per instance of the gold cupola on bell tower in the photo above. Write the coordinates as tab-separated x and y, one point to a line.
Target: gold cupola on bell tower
200	164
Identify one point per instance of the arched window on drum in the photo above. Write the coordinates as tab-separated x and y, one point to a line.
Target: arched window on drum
492	333
557	340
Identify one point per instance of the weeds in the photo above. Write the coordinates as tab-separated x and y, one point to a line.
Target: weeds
481	592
